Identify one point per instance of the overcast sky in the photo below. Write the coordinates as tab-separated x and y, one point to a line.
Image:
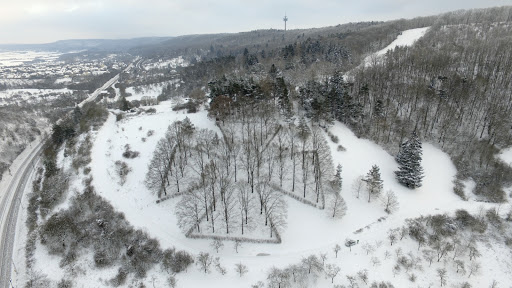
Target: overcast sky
40	21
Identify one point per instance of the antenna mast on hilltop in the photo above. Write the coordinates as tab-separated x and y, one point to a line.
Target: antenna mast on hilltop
285	19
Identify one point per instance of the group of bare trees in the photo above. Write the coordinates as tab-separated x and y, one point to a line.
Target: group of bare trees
233	180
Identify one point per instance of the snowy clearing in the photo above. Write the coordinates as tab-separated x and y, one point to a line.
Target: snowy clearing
506	156
407	38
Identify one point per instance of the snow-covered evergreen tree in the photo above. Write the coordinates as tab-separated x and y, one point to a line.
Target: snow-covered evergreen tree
410	172
374	182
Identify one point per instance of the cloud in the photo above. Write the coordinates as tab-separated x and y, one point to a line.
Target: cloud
35	21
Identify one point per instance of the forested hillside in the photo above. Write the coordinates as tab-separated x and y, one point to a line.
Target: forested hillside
452	87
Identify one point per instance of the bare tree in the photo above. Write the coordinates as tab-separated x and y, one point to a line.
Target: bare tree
429	255
474	268
352	281
363	275
281	148
441	273
358	186
442	248
244	204
189	211
337	249
217	244
459	265
323	257
336	206
237	244
158	168
331	270
473	252
368	248
311	263
276	211
241	269
278	278
204	261
392	236
403	232
389	201
219	267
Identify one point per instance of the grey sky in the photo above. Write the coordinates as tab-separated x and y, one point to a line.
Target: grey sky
38	21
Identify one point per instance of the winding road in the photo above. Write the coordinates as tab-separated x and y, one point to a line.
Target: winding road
11	198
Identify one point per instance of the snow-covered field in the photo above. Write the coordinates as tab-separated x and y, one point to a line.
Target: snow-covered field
18	58
309	230
12	96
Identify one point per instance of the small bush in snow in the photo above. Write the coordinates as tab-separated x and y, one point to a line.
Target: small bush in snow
128	153
122	170
150	133
151	111
333	137
341	148
458	189
176	262
64	283
221	269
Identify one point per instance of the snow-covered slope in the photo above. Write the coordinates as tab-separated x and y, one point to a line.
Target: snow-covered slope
309	230
407	38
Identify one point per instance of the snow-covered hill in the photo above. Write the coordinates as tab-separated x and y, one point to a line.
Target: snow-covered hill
309	231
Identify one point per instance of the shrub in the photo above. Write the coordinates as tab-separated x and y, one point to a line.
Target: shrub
466	220
128	153
52	192
119	117
120	278
150	133
83	156
458	189
87	170
151	111
122	170
493	217
341	148
333	137
191	107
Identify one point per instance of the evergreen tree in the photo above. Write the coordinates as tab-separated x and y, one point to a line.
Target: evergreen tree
338	181
374	182
410	172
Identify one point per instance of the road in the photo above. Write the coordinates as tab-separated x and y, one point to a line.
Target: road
10	204
9	208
